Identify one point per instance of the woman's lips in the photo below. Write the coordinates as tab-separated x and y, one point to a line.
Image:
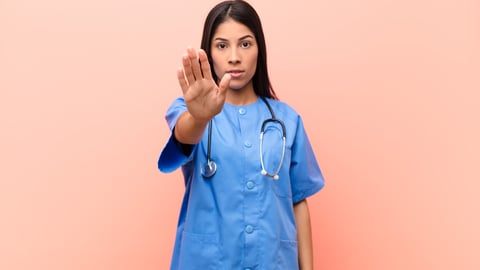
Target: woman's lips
235	74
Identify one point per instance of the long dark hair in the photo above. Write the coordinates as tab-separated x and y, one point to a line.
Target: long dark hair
241	12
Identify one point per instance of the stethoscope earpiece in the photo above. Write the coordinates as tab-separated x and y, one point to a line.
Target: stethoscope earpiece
275	176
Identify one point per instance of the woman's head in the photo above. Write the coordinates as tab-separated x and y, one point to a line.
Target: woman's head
242	13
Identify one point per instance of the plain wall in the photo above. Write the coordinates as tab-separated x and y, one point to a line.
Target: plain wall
389	93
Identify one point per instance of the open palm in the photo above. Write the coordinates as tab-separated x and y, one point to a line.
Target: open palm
203	97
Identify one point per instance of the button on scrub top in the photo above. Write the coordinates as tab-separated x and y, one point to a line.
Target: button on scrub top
239	218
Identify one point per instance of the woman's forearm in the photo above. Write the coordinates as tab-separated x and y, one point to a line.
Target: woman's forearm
304	235
188	130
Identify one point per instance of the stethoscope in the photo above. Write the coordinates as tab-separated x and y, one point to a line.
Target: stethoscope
210	167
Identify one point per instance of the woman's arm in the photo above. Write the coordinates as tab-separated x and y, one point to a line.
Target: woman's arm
204	99
304	235
189	130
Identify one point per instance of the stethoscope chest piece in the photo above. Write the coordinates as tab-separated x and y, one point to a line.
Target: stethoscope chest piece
209	169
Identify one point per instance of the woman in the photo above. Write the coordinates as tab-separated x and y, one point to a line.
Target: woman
245	200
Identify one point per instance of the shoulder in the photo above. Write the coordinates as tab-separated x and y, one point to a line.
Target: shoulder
179	101
284	111
177	105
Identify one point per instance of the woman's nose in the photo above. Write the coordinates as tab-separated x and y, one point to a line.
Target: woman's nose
234	56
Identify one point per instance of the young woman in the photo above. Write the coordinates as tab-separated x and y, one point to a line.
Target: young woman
248	165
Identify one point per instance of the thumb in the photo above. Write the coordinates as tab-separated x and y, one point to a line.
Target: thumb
224	83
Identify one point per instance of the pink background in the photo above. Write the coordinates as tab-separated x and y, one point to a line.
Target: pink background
389	92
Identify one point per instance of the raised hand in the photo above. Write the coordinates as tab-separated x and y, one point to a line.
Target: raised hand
203	97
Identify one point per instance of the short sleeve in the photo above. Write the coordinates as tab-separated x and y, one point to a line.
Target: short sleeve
172	155
305	174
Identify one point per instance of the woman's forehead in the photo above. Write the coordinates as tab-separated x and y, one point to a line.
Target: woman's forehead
232	30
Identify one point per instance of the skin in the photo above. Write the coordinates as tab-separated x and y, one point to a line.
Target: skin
304	235
234	53
203	97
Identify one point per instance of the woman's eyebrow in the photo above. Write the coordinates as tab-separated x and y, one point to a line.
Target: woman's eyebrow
245	37
241	38
221	39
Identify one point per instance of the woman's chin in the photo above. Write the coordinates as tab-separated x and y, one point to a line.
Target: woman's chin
236	85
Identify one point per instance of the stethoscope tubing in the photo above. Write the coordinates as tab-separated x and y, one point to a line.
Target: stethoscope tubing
210	168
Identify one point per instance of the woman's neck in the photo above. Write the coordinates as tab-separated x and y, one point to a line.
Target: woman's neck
241	97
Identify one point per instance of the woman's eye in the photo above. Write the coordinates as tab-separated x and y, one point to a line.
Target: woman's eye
246	44
221	45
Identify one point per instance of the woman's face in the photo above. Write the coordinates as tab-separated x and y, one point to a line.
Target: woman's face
234	50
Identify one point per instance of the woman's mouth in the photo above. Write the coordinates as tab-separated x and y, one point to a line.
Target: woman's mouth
235	74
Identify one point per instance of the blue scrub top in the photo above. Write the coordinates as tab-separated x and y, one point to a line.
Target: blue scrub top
239	218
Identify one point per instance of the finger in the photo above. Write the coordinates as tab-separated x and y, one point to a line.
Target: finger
192	54
224	83
187	69
207	73
181	80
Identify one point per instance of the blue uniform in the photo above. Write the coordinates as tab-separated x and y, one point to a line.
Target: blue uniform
239	218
